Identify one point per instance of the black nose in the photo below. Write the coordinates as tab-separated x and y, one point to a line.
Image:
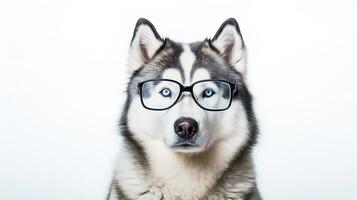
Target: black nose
186	127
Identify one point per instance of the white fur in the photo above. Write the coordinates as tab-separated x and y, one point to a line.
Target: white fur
200	74
172	74
187	58
129	173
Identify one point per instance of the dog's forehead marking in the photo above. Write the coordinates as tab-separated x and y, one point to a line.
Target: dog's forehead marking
173	74
200	74
187	59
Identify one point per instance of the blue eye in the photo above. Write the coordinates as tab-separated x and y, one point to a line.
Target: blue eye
207	93
166	92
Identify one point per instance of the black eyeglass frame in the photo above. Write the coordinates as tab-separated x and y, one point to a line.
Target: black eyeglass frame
232	86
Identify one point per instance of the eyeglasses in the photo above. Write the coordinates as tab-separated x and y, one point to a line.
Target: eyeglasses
162	94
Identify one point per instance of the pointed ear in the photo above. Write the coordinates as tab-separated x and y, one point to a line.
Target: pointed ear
229	43
144	44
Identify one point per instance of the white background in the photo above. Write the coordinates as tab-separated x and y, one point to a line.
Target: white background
62	76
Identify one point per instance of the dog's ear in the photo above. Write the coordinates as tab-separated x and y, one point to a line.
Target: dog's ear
229	42
144	44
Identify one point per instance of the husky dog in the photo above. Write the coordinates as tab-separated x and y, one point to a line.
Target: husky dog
188	125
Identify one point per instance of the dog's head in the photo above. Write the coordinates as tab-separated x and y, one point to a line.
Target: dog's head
188	96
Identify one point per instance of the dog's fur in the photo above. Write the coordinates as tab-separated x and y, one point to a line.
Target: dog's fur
221	166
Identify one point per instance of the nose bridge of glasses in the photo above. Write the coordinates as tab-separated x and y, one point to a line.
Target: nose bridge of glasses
186	89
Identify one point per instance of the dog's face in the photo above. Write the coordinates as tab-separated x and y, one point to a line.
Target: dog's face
182	123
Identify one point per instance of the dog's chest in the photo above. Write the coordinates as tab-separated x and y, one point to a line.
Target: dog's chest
185	178
178	182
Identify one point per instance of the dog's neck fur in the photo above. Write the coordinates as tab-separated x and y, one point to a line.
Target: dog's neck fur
196	175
